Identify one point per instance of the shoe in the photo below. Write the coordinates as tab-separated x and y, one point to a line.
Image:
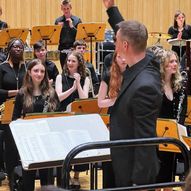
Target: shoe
2	175
75	183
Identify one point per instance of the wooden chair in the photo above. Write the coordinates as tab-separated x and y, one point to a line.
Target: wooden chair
170	128
6	117
86	106
188	114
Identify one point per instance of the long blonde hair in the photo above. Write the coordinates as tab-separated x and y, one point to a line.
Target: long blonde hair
176	78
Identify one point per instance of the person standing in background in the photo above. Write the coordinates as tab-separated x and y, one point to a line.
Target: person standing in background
3	24
180	30
68	32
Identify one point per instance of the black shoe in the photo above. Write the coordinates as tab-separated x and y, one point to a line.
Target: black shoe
2	176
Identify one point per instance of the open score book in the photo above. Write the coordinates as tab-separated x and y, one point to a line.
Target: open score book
47	140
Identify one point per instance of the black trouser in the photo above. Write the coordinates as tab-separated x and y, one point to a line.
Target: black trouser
63	57
45	175
11	154
2	167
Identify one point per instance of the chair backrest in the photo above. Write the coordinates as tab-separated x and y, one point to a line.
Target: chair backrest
6	117
169	128
86	106
188	114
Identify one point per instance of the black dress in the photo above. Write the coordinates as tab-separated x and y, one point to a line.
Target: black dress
10	79
186	34
38	107
67	83
169	110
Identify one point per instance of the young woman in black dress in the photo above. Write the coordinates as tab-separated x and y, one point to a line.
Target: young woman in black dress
36	95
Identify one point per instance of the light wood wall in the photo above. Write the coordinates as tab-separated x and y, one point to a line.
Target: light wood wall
157	15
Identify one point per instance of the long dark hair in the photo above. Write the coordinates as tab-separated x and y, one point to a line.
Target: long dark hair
46	90
81	64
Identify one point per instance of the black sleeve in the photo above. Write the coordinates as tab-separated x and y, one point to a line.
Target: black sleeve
18	107
115	17
3	92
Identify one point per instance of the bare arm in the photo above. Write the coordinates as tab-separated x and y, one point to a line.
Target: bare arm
58	87
82	92
103	101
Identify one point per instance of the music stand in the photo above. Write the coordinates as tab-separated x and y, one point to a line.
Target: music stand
49	33
91	32
86	106
7	34
167	128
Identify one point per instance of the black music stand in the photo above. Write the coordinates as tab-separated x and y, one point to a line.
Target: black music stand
7	34
91	32
49	33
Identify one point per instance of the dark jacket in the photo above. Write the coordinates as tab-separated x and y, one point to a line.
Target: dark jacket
134	116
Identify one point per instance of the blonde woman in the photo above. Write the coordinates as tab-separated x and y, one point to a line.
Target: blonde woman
174	106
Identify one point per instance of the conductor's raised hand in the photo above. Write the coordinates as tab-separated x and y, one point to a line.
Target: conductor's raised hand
108	3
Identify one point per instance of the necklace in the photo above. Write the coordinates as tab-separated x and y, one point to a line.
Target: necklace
16	76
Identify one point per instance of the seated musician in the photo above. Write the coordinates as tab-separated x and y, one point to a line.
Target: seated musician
72	84
12	72
81	46
174	106
40	53
36	95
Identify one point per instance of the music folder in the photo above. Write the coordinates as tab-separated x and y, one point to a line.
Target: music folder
45	142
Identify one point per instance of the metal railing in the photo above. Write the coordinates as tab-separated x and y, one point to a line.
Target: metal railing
126	143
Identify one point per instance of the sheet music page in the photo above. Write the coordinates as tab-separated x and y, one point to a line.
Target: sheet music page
51	139
77	137
183	132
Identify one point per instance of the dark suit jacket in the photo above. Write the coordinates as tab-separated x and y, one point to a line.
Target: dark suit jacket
134	116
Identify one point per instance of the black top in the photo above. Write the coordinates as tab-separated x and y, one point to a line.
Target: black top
93	73
67	34
51	69
3	25
8	79
169	109
38	105
186	34
67	83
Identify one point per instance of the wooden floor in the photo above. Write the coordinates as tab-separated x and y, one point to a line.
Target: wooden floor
84	182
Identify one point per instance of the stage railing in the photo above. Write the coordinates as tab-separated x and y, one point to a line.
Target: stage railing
127	143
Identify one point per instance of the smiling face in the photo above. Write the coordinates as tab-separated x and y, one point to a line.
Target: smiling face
72	64
37	73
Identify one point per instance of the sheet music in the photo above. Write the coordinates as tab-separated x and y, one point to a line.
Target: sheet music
51	139
183	132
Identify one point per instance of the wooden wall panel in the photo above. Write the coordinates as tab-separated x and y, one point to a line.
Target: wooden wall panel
157	15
